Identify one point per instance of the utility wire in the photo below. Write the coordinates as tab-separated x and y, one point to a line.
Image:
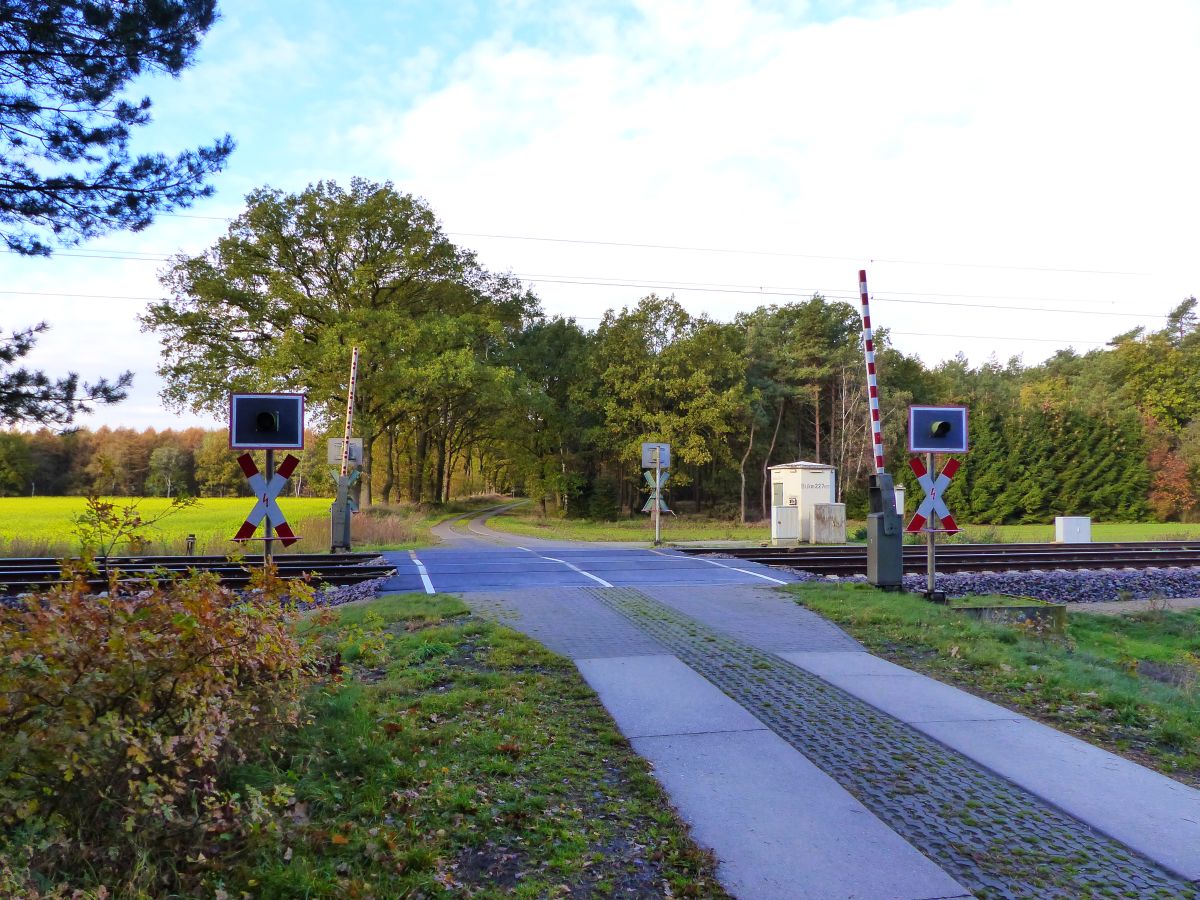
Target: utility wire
748	291
600	319
699	287
741	252
805	292
890	332
789	255
840	293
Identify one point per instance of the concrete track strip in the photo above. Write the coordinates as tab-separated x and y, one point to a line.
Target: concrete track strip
989	834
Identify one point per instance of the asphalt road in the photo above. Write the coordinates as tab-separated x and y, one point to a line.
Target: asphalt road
480	567
476	558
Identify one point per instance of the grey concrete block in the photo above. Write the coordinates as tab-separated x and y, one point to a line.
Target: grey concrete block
1153	814
782	828
907	695
763	617
827	664
656	695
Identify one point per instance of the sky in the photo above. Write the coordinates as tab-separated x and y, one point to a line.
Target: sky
1016	177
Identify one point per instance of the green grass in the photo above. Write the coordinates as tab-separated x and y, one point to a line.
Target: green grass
1101	532
31	523
42	526
977	601
455	758
526	521
1131	684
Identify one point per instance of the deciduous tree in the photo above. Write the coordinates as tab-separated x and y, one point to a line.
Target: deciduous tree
299	279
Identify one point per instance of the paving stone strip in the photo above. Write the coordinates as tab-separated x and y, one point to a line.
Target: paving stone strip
993	837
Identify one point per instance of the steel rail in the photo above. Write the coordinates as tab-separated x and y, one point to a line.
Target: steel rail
851	560
21	575
183	562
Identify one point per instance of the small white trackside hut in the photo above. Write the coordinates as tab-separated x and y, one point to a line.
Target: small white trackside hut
803	506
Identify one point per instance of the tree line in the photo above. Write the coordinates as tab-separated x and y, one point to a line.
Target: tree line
465	384
124	462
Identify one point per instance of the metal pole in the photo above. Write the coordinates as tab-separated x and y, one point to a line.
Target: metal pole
339	513
657	498
269	534
931	553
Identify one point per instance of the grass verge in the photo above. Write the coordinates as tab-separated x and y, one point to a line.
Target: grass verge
1129	684
402	526
455	757
1101	532
527	521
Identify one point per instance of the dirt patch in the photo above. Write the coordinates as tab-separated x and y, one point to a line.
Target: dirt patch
1180	675
1128	607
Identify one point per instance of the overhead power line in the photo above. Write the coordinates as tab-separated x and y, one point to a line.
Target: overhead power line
1001	337
86	296
824	292
696	286
749	290
746	252
789	254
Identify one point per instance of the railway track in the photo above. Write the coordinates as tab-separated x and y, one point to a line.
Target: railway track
852	560
19	575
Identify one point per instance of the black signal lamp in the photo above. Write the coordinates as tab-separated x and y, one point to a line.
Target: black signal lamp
266	421
937	429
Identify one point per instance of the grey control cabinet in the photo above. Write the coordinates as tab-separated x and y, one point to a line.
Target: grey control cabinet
885	534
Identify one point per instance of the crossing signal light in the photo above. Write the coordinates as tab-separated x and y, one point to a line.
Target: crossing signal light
937	429
266	421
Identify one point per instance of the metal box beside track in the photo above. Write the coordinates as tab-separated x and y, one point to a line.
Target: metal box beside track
1072	529
796	488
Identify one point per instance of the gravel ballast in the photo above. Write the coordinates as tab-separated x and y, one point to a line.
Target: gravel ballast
1057	586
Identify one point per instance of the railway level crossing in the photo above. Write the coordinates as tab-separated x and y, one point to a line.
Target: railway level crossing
703	666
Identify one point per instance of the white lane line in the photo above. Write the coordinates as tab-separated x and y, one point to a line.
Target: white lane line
595	578
713	562
424	575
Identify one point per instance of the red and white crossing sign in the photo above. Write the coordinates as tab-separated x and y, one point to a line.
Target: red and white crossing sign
266	505
933	504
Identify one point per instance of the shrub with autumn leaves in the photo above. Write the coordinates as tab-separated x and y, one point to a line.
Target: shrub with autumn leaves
116	711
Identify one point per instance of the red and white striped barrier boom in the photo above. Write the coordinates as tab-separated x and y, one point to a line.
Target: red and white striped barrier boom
345	469
872	383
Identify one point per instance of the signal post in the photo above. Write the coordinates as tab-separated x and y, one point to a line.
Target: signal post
933	430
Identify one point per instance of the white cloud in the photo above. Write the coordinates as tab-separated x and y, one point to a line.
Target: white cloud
1056	135
1051	135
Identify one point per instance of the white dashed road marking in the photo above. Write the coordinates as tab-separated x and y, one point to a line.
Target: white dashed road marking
424	575
713	562
575	568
